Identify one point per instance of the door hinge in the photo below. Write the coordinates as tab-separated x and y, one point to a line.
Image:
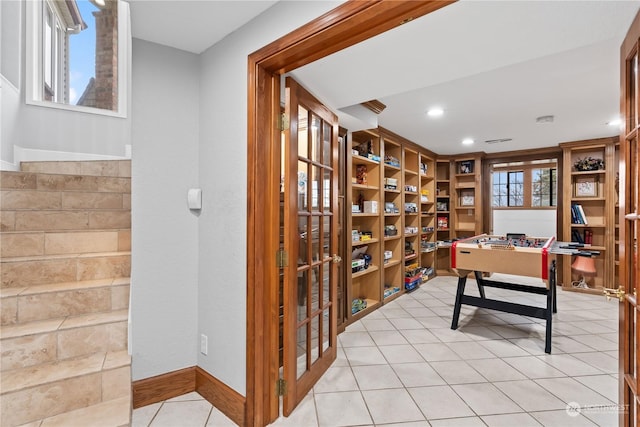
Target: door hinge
281	387
282	259
284	122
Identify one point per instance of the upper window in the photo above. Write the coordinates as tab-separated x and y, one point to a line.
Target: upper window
524	185
78	55
543	190
508	188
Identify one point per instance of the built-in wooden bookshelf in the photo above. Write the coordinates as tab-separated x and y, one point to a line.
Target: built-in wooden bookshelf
443	216
428	248
589	203
466	196
365	197
392	210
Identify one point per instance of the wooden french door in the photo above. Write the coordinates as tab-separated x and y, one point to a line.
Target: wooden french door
629	334
311	242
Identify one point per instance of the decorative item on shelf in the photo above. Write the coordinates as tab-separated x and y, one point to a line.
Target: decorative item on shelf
586	186
358	304
390	207
423	168
390	230
466	166
355	236
410	207
408	249
442	206
411	188
365	148
391	183
585	265
360	259
424	195
588	164
361	174
387	256
371	206
410	230
443	222
467	198
391	161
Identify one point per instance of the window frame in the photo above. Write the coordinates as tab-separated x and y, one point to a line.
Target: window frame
34	78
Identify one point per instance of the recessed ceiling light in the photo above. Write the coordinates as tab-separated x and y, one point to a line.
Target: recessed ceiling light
435	112
614	122
467	141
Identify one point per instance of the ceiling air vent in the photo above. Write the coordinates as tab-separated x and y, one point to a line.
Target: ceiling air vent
495	141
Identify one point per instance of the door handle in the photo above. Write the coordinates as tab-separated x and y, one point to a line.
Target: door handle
632	216
337	259
616	293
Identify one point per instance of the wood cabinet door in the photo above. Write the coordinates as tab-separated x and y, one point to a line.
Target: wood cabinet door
310	211
629	191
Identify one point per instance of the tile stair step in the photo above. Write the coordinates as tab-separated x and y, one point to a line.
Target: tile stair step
56	300
51	340
116	168
62	182
46	269
50	389
112	413
54	200
16	244
63	220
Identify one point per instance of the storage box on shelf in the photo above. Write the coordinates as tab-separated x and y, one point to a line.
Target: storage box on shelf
366	227
589	210
443	219
466	211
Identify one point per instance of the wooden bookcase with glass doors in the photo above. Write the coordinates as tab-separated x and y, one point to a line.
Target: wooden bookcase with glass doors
390	188
590	211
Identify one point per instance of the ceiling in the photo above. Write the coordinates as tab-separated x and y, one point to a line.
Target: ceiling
492	66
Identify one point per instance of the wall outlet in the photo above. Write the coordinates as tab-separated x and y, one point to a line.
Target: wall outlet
204	344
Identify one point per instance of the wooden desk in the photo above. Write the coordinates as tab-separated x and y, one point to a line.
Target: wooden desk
494	254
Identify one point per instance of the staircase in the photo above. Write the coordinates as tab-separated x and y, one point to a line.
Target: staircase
65	241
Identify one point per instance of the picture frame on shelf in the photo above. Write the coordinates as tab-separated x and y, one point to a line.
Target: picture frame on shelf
466	167
467	198
585	187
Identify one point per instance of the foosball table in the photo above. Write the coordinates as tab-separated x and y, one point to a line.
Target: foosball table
514	254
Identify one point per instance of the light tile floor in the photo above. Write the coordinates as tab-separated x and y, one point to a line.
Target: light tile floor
402	365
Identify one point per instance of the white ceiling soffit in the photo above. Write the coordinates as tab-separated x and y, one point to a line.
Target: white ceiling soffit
193	26
494	66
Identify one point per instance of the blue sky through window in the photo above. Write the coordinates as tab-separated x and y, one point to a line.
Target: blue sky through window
82	53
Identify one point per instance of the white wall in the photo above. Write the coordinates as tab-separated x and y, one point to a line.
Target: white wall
164	287
223	177
532	222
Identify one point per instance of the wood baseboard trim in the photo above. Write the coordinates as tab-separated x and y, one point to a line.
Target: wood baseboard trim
176	383
163	387
220	395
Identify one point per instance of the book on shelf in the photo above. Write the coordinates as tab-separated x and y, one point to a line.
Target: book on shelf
576	237
577	214
588	237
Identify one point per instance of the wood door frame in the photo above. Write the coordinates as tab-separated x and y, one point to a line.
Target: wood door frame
344	26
